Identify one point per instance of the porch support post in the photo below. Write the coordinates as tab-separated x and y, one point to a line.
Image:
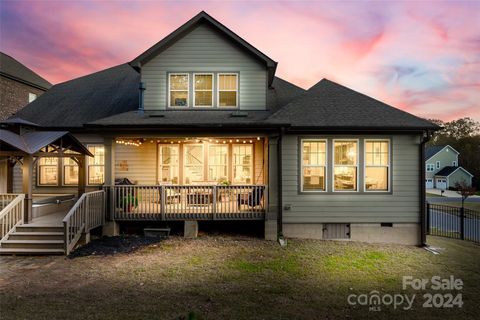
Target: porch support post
81	175
27	175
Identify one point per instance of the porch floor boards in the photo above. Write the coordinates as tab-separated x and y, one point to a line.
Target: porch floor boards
51	220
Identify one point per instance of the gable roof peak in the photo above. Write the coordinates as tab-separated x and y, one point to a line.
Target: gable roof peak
189	25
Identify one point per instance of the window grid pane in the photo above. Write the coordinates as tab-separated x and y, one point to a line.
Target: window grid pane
227	90
243	164
314	165
203	90
96	165
169	164
193	163
377	159
48	171
217	163
345	166
178	90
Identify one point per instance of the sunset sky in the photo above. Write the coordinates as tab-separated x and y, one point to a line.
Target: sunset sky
423	57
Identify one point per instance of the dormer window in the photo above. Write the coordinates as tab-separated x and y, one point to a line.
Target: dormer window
203	83
178	90
227	90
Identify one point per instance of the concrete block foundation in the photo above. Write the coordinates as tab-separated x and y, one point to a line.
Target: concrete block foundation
399	233
111	229
303	231
271	230
190	229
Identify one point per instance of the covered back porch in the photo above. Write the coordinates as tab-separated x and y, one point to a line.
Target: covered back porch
188	178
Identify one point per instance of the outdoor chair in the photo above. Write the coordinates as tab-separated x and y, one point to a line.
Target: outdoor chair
251	199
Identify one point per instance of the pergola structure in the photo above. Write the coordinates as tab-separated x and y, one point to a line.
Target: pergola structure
21	142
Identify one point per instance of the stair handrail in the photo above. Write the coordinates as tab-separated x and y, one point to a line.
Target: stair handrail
87	213
11	216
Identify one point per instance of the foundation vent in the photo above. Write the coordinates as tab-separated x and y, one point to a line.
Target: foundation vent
332	231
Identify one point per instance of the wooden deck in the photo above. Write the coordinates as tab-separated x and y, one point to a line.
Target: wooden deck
187	202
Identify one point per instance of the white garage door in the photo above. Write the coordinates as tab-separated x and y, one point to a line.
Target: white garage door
441	183
429	183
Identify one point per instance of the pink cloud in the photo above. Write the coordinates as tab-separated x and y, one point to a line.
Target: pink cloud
415	56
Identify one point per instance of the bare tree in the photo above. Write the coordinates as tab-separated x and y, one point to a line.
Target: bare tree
465	190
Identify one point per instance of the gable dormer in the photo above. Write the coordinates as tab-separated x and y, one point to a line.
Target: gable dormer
204	65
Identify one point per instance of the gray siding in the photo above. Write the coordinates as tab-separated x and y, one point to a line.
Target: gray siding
205	50
401	205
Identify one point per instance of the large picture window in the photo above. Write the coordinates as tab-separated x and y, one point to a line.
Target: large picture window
70	171
377	163
168	168
48	171
217	163
96	165
314	161
227	90
345	165
178	90
193	163
243	163
203	86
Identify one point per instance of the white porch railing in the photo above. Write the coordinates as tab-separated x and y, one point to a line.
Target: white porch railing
87	213
11	214
175	202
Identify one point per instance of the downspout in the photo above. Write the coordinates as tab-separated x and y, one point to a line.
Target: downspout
141	89
423	228
279	186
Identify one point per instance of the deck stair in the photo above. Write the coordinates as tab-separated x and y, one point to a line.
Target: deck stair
31	239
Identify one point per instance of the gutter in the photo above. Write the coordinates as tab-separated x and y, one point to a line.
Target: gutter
279	186
423	227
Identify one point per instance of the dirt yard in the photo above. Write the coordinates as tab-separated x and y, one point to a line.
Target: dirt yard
235	278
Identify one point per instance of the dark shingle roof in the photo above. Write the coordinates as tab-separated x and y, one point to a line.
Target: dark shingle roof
282	92
328	105
445	172
12	68
89	98
430	151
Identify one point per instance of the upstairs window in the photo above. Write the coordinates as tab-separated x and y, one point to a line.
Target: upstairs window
227	90
203	90
430	167
345	165
178	89
314	161
437	164
48	171
377	163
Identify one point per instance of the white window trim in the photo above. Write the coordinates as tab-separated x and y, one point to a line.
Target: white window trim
194	90
430	165
437	164
302	165
389	175
184	156
63	173
188	89
159	165
333	165
454	163
218	89
226	165
87	165
252	165
50	165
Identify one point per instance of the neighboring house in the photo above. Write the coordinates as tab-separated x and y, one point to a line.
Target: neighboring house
206	131
18	86
442	170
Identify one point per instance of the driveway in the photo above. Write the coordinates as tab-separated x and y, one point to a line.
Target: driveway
448	193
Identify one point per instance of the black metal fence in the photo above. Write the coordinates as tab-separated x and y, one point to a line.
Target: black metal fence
453	222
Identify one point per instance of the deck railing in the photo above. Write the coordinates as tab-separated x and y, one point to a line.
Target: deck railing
87	213
11	214
175	202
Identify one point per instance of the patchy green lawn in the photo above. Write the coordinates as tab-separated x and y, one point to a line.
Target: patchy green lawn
234	278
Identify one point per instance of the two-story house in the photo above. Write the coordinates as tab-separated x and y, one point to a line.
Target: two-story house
19	86
442	169
204	130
